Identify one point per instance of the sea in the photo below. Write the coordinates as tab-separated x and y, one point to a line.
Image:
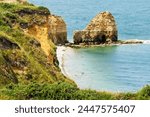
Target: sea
118	68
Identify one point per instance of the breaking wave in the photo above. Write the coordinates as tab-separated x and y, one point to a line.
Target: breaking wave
146	41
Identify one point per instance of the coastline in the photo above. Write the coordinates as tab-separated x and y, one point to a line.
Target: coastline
42	79
119	42
63	50
60	52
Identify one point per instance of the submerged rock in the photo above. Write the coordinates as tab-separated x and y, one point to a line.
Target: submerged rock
101	29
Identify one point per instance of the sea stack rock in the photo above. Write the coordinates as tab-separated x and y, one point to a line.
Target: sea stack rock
57	30
101	29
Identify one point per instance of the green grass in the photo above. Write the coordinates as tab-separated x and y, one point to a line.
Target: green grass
66	91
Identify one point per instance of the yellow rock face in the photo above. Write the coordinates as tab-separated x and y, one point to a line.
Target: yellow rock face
101	29
57	29
51	31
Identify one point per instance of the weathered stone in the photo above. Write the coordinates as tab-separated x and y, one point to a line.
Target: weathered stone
7	44
102	29
27	11
57	30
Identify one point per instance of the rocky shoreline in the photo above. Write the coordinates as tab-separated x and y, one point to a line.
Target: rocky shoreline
101	31
93	44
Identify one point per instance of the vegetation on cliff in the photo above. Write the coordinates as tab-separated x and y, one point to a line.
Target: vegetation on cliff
22	59
66	91
28	65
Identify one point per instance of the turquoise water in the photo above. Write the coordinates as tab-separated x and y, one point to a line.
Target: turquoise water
116	68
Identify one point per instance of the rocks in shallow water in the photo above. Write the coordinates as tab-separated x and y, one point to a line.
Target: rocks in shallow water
102	29
132	42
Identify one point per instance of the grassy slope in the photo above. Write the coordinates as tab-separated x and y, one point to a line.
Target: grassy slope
25	71
29	63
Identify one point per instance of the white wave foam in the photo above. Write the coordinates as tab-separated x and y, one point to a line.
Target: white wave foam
146	41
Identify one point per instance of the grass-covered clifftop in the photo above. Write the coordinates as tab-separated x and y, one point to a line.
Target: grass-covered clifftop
28	63
22	59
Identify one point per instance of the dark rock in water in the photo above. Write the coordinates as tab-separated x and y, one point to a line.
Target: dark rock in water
102	29
68	44
7	44
131	42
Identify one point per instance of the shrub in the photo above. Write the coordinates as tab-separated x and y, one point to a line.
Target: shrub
56	91
144	93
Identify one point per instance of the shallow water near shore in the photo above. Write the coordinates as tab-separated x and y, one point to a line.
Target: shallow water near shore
115	68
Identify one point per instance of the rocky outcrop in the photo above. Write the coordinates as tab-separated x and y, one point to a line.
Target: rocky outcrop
54	27
7	44
57	30
102	29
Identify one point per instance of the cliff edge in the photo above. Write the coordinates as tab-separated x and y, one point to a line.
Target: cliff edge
27	51
13	1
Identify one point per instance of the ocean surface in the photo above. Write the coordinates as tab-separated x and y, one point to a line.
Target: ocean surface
115	68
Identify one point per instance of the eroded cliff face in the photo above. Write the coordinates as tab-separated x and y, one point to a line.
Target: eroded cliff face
27	53
57	29
101	29
46	28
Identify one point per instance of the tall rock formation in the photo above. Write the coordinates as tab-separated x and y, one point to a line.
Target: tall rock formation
57	29
101	29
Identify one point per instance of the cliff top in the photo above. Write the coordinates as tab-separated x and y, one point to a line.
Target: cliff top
13	1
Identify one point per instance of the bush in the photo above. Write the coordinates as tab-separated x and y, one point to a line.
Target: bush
65	91
56	91
92	95
144	93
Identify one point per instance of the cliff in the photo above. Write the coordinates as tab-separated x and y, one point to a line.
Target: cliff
101	29
27	51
